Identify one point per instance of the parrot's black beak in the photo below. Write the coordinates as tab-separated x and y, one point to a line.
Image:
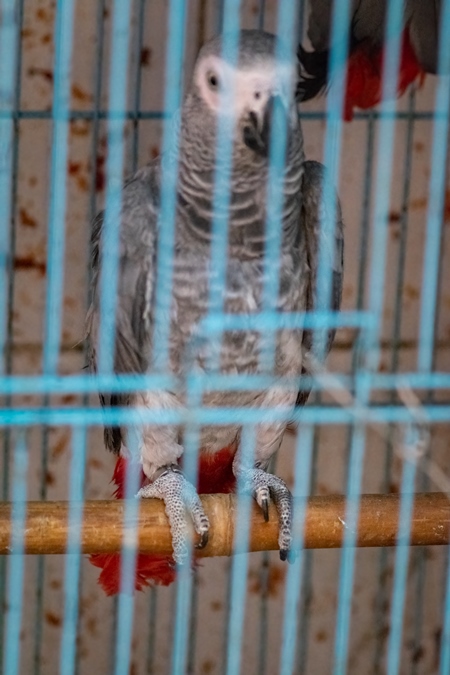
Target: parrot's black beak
258	130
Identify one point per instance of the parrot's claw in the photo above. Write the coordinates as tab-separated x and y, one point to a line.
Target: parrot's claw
179	496
262	496
264	486
204	536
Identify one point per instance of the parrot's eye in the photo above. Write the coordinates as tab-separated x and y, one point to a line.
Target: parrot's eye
213	80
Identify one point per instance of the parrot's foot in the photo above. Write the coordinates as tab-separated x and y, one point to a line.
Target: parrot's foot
264	486
179	496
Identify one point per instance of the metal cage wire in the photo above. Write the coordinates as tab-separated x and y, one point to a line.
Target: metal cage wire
363	379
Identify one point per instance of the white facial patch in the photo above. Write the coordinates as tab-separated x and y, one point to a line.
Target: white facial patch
239	91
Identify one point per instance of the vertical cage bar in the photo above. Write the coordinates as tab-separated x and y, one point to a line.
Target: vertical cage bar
401	565
219	15
332	152
8	237
302	472
63	35
184	587
264	614
138	80
67	662
125	604
58	183
436	199
261	14
169	177
164	278
383	174
347	569
10	81
226	626
40	582
286	26
396	337
97	88
96	103
284	55
381	598
339	37
182	615
11	662
9	28
404	218
117	107
228	26
365	223
239	564
222	172
393	28
307	572
444	666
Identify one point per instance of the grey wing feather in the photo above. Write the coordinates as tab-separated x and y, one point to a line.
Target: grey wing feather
424	25
367	21
319	23
314	210
140	203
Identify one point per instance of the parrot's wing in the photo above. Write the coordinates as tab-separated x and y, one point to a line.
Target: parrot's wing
368	20
418	49
314	212
319	23
140	203
424	31
366	23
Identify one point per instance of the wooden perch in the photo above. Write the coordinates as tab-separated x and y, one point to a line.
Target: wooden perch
46	524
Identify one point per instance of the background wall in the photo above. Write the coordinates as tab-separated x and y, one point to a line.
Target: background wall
50	449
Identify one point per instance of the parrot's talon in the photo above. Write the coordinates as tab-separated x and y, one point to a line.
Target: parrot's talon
265	486
265	509
262	496
203	540
179	496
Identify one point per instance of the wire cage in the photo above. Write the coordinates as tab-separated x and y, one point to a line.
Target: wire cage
87	94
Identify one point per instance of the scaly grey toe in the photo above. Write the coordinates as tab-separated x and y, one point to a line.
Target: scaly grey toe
179	496
264	485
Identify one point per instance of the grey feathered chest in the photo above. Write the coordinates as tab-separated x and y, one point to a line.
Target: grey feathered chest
242	293
192	346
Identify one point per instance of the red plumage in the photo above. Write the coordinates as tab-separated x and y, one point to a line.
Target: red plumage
215	475
365	70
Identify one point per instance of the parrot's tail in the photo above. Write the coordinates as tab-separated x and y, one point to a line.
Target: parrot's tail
365	70
215	474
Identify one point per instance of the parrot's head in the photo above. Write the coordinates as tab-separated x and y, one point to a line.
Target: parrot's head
249	90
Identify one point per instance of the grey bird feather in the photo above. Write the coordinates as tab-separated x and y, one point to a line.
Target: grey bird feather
259	85
367	24
314	213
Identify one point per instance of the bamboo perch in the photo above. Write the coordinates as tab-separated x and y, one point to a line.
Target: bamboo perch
46	524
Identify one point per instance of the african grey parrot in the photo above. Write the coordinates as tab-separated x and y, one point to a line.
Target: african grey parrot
259	86
418	48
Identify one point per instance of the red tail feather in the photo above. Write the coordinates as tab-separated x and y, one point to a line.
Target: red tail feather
151	570
215	474
365	70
